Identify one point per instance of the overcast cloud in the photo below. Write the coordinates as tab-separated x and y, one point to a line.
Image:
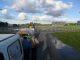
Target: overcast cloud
22	16
51	10
5	14
50	7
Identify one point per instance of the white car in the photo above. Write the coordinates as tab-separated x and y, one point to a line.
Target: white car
10	47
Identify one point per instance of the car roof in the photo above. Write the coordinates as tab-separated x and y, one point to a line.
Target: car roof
4	36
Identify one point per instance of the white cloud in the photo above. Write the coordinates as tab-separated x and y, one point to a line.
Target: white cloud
4	11
57	8
17	22
5	14
26	6
50	7
42	19
45	19
60	5
22	16
49	19
49	1
14	21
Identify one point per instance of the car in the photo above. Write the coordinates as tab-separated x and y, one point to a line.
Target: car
10	47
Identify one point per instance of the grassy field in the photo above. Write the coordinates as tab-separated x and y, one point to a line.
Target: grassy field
70	38
72	26
36	24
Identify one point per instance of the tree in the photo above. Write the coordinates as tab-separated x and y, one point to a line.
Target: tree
15	25
3	24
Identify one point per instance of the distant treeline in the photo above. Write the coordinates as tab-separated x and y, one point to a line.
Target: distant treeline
5	24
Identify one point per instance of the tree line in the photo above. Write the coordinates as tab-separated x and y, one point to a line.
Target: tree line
3	24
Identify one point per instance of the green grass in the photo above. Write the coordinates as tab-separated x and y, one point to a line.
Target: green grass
36	24
70	38
72	27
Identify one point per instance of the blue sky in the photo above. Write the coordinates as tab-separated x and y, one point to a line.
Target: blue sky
74	12
30	10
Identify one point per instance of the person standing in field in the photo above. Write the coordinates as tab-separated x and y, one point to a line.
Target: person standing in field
31	27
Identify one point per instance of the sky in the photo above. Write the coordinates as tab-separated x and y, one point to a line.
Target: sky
40	11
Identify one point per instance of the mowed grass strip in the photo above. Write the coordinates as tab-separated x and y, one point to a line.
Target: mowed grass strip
72	27
69	38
